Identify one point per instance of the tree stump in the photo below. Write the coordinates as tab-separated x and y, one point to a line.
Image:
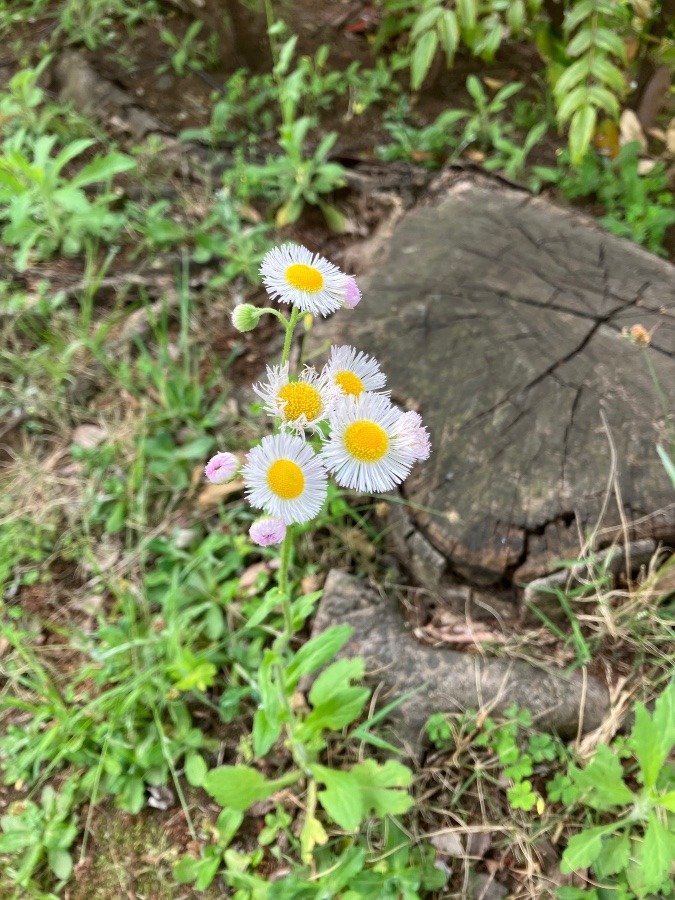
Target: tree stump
503	319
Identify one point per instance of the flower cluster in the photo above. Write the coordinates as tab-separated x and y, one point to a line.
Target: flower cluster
356	434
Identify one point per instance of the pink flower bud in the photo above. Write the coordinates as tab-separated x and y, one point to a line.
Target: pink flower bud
221	467
267	531
352	294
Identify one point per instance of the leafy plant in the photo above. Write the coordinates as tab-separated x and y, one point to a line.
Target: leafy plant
33	834
592	82
635	850
636	206
187	54
44	210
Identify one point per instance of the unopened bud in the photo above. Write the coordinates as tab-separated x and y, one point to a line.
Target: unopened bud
245	316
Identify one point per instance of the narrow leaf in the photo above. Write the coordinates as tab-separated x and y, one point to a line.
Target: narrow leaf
422	57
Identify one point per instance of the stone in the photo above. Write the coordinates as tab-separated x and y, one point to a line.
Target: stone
502	318
447	681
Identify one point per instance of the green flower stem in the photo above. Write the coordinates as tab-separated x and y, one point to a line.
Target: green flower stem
290	327
275	312
286	549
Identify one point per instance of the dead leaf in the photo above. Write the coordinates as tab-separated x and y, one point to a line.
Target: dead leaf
631	129
495	84
670	137
645	166
214	493
88	436
447	844
250	576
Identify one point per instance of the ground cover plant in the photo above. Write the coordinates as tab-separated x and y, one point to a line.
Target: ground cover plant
160	732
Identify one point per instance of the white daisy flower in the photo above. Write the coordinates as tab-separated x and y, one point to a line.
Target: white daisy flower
293	274
412	430
285	477
299	404
366	451
353	372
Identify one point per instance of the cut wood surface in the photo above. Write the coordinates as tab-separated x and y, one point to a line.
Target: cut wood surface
502	319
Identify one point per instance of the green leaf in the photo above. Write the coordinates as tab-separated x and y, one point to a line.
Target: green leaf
422	57
668	464
336	703
602	779
467	13
334	218
577	13
583	849
237	787
646	742
580	42
515	16
664	711
61	863
196	769
667	801
266	730
103	168
604	70
425	21
228	824
578	71
614	855
315	653
475	88
351	796
658	853
611	42
448	31
582	128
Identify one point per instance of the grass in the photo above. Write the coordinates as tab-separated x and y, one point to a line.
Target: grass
136	617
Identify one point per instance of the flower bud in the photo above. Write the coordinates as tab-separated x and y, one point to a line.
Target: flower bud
352	294
221	467
267	531
245	316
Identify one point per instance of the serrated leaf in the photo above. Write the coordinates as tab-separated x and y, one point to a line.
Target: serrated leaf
582	127
658	853
237	787
614	855
602	779
350	797
315	653
664	712
646	742
583	849
422	57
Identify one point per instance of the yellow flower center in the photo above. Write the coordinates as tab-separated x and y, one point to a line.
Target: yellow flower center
285	479
300	398
350	383
366	441
304	278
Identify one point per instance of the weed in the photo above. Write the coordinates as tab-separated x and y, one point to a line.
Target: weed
33	834
636	206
